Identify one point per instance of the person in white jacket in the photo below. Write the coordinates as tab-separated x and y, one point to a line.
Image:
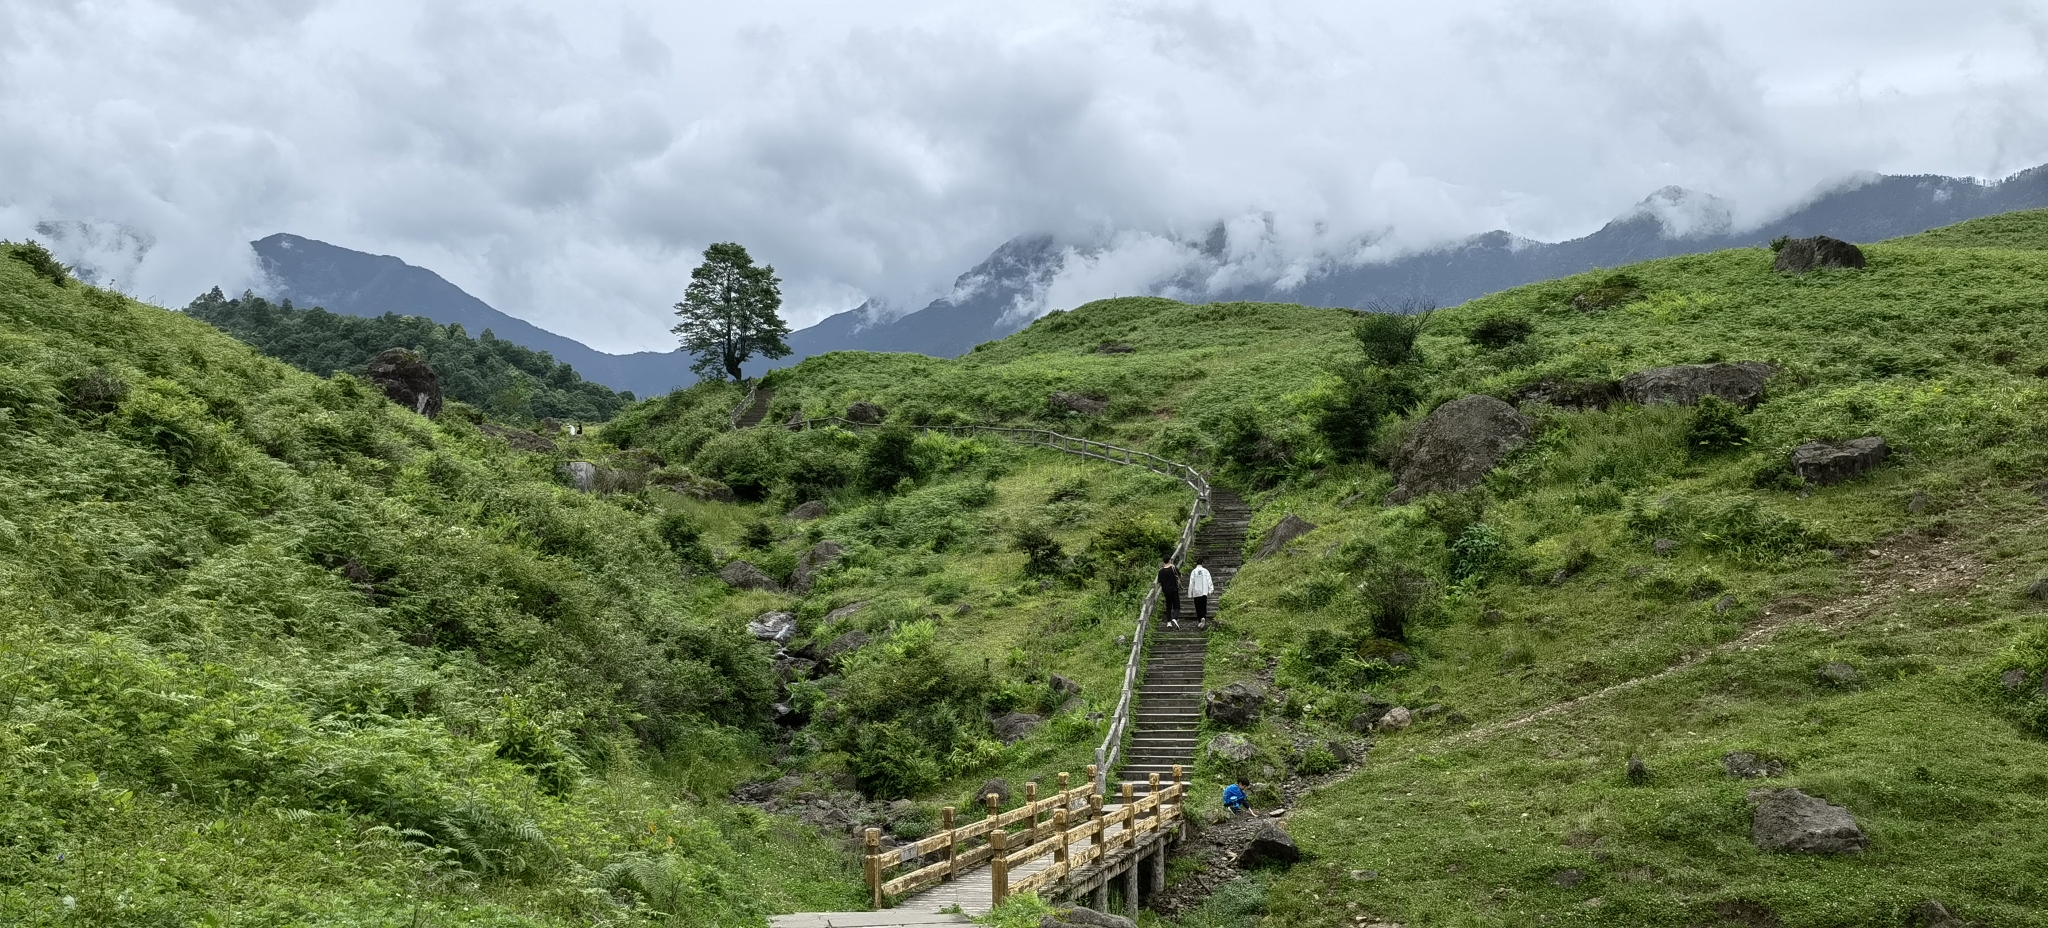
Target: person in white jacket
1199	588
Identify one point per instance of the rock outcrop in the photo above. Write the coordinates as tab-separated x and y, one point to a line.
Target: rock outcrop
1804	254
778	627
822	555
1231	749
1747	766
1563	393
1013	727
1790	821
1287	529
1236	705
1082	403
1270	844
404	376
1456	446
1822	463
741	575
815	509
1741	383
866	413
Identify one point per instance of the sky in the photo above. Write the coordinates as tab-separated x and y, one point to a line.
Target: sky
569	162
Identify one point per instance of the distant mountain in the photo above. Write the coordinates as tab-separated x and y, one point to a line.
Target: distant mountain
999	296
314	273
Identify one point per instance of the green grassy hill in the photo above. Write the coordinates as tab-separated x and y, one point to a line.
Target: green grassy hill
276	651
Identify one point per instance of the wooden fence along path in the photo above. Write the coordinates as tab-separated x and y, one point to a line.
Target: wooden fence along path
1075	841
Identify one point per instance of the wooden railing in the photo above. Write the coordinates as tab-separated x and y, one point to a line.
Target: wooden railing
1107	755
1051	826
740	412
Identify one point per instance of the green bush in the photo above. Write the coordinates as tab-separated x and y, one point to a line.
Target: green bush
1043	556
753	462
38	259
1497	332
1479	550
889	459
1389	337
1716	427
1127	552
1350	416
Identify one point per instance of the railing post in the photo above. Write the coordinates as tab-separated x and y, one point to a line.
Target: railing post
1095	815
1099	772
1130	817
998	867
874	860
1063	789
952	840
1031	803
1059	851
1152	789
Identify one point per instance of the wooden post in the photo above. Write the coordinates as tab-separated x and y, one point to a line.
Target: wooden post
874	842
1130	818
1159	868
1180	803
1152	789
998	867
1031	803
952	841
1059	826
1094	773
1064	801
1095	814
1131	886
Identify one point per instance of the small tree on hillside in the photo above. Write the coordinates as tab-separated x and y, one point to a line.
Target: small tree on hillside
729	312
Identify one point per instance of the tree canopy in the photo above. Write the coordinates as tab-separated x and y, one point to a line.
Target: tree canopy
729	312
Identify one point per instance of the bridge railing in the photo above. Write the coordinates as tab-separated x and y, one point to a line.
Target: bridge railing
1053	826
1111	750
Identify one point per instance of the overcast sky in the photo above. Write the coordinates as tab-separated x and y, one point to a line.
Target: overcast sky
568	162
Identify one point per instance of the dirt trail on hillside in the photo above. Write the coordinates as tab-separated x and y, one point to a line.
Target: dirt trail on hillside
1905	564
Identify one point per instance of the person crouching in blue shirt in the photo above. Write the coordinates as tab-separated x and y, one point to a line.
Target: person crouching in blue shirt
1234	797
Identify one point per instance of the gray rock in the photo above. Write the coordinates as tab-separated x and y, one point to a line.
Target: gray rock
778	627
1456	446
406	379
2038	590
1287	529
1012	727
1836	673
1747	766
1431	711
1236	705
1804	254
866	413
1568	878
815	509
741	575
1638	772
843	613
1270	844
1369	718
1232	749
849	641
1663	547
1400	659
1725	603
1082	403
999	786
1823	463
1792	822
1918	504
1396	719
963	609
1932	914
1062	686
822	555
2015	679
1741	383
580	474
1080	915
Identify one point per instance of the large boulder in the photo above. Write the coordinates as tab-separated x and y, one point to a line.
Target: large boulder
1800	255
1792	822
1287	529
1823	463
1082	915
580	474
1270	844
1062	686
404	376
778	627
1456	446
741	575
1236	705
1012	727
997	786
866	413
822	555
1231	749
1082	403
1741	383
815	509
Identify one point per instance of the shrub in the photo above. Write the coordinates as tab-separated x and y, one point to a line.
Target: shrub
684	539
1249	451
759	536
1497	332
1388	335
1128	550
39	259
1349	416
1395	598
1316	761
889	459
750	461
1716	426
1478	551
1043	556
1613	290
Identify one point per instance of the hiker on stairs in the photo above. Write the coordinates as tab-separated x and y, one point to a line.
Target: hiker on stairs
1199	588
1169	592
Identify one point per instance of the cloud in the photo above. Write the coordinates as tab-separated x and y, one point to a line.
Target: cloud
568	162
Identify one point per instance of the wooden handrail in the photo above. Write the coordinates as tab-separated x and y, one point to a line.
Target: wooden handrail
739	412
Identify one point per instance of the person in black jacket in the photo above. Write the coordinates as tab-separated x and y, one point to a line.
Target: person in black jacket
1169	592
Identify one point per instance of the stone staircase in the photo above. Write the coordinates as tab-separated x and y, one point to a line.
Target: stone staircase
755	413
1169	700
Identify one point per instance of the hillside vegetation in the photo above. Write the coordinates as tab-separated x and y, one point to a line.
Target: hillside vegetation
507	381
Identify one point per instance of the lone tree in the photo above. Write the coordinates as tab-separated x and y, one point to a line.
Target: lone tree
729	312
